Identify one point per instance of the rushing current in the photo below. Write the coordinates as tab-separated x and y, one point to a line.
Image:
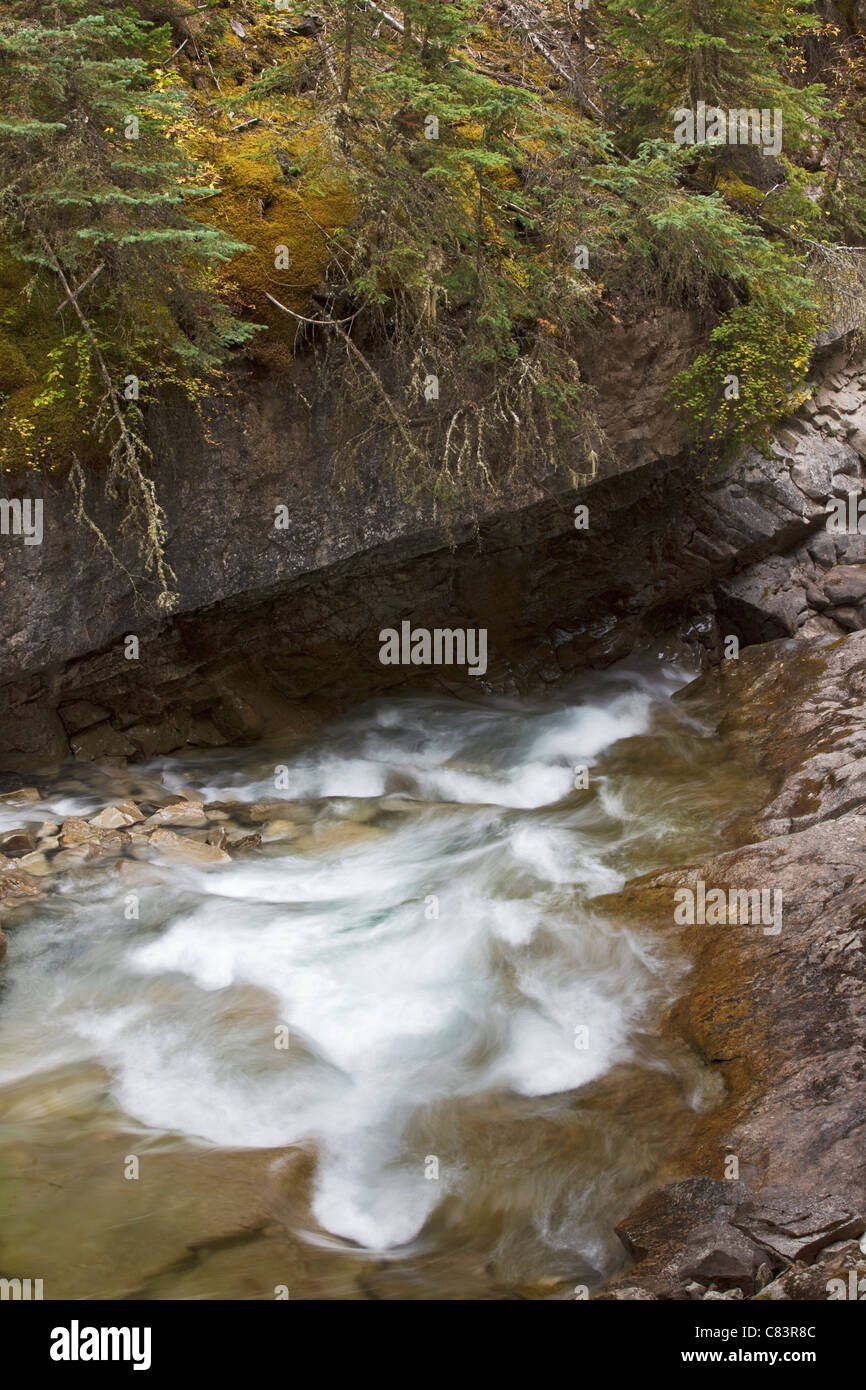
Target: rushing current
407	1042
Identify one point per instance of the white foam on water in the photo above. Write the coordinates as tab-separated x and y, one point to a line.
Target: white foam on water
452	955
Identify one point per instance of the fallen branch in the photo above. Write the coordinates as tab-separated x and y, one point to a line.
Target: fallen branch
390	18
520	17
92	276
302	318
523	20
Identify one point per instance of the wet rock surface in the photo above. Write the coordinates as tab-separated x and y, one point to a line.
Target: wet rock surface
779	1015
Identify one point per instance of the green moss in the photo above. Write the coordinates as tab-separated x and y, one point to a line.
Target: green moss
14	370
257	205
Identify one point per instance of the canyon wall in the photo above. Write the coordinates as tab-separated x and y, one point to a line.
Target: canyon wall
275	627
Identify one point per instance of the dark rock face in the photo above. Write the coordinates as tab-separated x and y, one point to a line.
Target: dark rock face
758	1244
780	1016
276	626
676	1210
268	616
789	1226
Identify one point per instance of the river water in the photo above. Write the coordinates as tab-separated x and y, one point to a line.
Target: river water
404	1050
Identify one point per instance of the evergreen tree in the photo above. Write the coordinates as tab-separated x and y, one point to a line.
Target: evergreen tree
734	54
96	201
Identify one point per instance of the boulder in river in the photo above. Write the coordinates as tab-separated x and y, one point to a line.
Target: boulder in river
23	796
189	815
14	843
183	850
116	817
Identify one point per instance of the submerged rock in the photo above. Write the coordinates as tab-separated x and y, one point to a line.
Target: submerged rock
15	843
16	885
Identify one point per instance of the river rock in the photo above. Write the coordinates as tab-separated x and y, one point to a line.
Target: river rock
795	1225
15	843
16	884
105	844
270	809
676	1210
116	817
74	857
4	943
214	835
849	618
717	1253
241	843
631	1294
23	796
77	831
36	863
336	835
279	830
189	815
838	1262
845	584
778	1017
183	850
822	550
681	1234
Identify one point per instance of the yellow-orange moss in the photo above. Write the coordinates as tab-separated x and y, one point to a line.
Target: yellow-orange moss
258	206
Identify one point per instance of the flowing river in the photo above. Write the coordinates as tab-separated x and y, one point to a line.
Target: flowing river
404	1049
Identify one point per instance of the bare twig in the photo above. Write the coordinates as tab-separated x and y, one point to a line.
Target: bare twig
356	352
302	318
92	276
125	454
213	75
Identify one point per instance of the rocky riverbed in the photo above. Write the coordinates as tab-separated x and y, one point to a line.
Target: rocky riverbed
759	1190
711	1149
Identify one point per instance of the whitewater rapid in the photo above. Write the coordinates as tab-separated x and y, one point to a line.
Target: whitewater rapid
429	940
